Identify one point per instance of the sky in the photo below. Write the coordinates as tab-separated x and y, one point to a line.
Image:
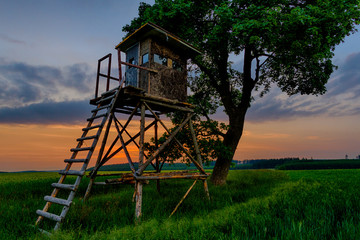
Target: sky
48	58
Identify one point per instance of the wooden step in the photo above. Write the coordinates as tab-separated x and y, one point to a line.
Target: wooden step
96	117
70	187
59	201
92	127
72	172
105	99
100	108
86	138
45	232
81	149
111	91
50	216
80	160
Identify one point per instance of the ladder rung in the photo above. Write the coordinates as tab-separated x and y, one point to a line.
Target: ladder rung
100	183
92	127
100	108
59	201
50	216
86	138
64	186
81	149
45	232
105	99
96	117
80	160
72	172
110	91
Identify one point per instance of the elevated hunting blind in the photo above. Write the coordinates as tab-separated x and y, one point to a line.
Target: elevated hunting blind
153	47
154	84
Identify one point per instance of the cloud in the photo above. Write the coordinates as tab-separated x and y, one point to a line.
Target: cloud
71	112
341	99
11	40
45	94
24	84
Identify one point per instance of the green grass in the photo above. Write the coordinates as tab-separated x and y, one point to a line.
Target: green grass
255	204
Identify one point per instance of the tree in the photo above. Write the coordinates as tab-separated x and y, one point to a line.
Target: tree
289	43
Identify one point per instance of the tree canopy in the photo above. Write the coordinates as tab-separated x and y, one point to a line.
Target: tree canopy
289	43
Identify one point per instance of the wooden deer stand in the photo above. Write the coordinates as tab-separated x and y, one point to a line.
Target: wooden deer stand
134	102
155	84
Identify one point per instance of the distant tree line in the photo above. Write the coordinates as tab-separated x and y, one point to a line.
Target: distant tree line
320	164
280	163
264	163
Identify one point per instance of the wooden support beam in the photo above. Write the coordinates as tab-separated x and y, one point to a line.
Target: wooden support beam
183	198
202	177
198	156
110	149
157	164
184	109
133	140
121	80
138	201
107	76
104	160
155	176
161	148
126	143
139	67
131	164
198	165
206	189
128	112
139	188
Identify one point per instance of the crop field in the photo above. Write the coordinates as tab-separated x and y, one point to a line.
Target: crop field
255	204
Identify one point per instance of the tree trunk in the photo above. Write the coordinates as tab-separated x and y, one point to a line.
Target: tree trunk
222	164
236	122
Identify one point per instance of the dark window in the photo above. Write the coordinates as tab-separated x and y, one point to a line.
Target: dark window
131	61
145	58
177	66
160	59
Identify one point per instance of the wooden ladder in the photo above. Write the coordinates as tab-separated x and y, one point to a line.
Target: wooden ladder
105	103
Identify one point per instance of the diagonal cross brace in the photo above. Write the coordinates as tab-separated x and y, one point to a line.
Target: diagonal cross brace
198	163
162	147
124	147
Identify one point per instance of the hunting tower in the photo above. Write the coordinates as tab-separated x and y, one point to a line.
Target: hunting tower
154	84
153	47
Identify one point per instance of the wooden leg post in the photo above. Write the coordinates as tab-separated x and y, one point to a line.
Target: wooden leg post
139	184
157	158
138	201
206	189
198	156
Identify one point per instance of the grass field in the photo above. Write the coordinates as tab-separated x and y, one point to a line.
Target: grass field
255	204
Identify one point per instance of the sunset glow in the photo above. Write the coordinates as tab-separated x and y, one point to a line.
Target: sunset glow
48	71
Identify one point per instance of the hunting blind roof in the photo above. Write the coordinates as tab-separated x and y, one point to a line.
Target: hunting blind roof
150	30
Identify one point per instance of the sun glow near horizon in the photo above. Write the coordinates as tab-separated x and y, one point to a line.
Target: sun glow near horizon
44	147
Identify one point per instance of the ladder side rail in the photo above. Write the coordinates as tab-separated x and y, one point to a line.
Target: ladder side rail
101	151
69	164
